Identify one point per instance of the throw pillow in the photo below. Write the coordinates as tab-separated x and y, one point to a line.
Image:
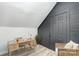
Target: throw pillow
69	45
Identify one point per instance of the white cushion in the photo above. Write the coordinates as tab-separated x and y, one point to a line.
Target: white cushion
71	45
75	45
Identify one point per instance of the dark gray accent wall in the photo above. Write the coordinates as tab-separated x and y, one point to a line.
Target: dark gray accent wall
61	25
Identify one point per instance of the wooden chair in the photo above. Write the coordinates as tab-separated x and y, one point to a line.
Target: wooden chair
66	52
33	43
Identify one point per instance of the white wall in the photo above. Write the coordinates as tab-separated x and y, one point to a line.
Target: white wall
24	14
11	33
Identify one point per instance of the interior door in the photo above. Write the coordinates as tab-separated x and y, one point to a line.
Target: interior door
61	22
59	28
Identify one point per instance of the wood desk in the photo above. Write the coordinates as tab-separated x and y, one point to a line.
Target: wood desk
18	44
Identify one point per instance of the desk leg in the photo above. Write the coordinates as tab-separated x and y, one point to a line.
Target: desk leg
24	48
9	53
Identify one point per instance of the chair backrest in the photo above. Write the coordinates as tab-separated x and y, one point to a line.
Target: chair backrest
60	45
34	42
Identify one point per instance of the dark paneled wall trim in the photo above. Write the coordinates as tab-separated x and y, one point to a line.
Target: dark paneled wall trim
61	25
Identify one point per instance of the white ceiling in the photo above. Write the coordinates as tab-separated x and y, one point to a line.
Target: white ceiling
24	14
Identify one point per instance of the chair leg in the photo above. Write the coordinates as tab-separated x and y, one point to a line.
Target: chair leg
9	53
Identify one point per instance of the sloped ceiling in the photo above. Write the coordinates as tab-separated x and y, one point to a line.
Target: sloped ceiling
24	14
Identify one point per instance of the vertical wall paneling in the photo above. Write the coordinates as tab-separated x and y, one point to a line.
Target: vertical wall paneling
63	25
